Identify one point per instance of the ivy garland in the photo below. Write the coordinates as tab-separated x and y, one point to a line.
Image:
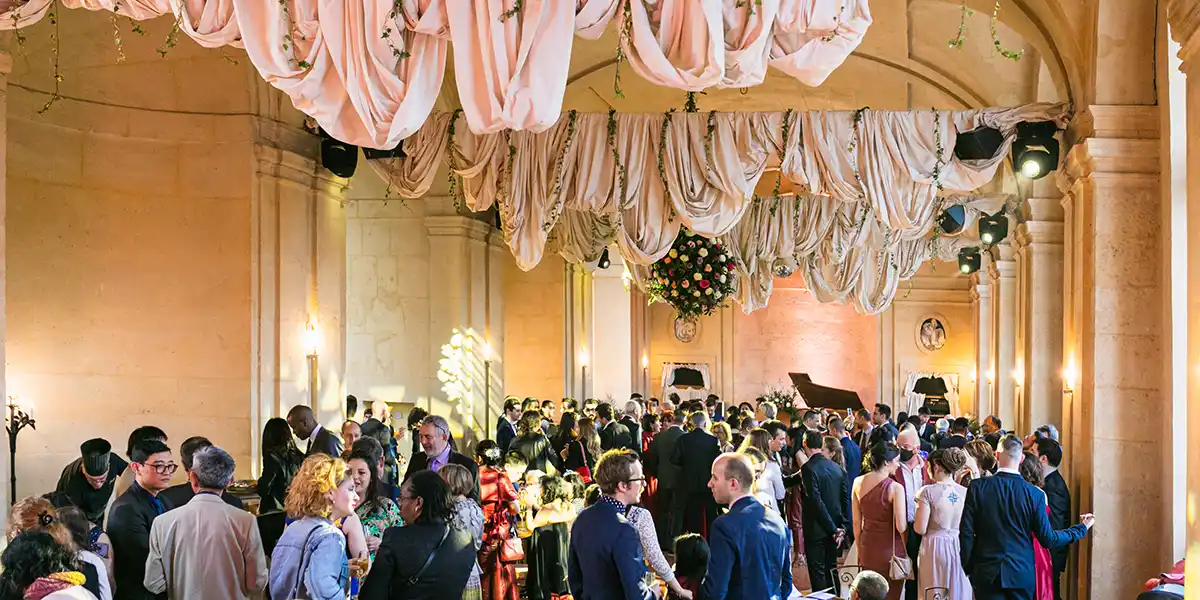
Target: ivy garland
852	148
172	38
837	22
786	131
689	105
559	164
393	16
453	177
709	132
621	173
1009	54
939	150
662	169
741	3
623	39
958	41
695	278
289	43
512	12
116	25
16	18
54	52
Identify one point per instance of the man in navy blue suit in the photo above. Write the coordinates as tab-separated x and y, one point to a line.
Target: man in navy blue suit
999	514
853	457
605	560
506	425
749	547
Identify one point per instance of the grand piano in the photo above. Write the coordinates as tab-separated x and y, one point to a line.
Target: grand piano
819	396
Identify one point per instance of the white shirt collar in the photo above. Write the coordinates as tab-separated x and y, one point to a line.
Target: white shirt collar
1006	470
315	431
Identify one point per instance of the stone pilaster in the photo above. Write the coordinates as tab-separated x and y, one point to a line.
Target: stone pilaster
1003	274
579	336
1040	250
1116	421
298	266
981	305
613	356
5	69
465	294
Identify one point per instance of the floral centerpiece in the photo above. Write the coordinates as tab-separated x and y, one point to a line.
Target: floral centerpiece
696	277
787	400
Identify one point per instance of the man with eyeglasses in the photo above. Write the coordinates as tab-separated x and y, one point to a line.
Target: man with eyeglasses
133	513
88	481
605	560
913	474
436	452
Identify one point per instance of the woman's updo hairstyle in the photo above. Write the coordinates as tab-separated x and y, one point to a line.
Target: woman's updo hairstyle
881	454
949	460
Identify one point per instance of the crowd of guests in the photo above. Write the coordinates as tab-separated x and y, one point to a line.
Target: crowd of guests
684	499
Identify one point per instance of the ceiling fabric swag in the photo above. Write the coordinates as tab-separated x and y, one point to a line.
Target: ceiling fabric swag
370	71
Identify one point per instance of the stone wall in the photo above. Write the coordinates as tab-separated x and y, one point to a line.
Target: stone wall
533	323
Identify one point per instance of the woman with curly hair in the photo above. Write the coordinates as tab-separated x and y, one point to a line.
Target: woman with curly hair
37	567
499	502
311	554
39	514
546	552
724	436
375	511
939	509
581	455
981	460
468	517
533	445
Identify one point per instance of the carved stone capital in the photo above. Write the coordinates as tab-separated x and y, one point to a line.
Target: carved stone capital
1184	17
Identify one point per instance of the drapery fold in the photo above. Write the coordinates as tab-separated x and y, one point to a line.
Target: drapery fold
370	71
873	184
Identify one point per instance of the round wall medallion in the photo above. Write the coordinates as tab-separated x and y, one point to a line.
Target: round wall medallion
686	329
931	333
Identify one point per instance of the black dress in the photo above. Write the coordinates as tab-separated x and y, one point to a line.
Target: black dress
278	470
578	456
547	557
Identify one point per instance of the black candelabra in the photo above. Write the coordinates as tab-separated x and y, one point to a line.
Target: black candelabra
18	419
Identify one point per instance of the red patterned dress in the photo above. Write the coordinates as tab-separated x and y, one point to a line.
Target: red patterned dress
499	579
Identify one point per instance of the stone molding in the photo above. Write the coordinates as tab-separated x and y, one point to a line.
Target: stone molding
981	290
1184	17
441	225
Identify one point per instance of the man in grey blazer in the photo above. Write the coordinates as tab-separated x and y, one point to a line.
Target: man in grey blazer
659	465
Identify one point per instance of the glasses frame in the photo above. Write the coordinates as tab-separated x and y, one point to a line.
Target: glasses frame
163	469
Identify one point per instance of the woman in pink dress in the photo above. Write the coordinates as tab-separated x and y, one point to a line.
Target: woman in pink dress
880	515
939	509
1043	567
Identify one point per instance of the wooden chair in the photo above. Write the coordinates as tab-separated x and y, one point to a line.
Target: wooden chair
937	593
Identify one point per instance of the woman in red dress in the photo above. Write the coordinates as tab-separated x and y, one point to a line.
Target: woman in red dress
650	426
1043	567
499	501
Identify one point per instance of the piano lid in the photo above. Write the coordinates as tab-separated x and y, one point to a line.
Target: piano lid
819	396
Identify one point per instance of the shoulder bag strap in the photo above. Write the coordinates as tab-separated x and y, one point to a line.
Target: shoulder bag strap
428	561
303	557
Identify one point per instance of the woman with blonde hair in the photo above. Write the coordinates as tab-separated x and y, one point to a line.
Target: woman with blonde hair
468	517
724	435
310	558
771	482
831	447
38	514
581	456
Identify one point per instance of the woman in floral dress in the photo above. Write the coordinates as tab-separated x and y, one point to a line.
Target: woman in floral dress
498	501
375	510
468	517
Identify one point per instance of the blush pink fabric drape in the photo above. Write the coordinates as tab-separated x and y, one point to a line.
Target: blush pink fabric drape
369	71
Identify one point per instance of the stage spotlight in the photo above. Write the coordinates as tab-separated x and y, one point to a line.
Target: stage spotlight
993	228
397	152
978	144
339	157
604	260
969	260
1035	151
953	219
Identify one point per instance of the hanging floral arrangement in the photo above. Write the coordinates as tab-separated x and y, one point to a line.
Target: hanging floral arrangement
696	277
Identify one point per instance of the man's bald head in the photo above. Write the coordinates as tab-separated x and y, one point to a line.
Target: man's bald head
732	477
302	421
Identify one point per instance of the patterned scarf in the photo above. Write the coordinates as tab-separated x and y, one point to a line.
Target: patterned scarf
44	586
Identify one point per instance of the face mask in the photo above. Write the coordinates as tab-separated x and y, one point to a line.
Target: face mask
906	455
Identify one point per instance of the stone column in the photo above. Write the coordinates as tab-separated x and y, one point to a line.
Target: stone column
298	264
578	333
5	69
463	296
1184	18
612	322
1003	273
981	304
643	370
1119	408
1040	247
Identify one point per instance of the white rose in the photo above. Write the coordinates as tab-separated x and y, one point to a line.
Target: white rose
708	292
704	252
683	257
721	258
697	276
696	293
722	279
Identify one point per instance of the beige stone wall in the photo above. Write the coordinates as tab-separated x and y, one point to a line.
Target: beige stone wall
128	247
836	346
387	296
533	325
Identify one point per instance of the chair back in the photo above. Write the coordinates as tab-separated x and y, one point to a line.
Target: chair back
843	576
937	593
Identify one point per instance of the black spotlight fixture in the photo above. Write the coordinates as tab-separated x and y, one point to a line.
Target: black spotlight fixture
993	228
604	261
978	144
969	260
953	219
339	157
1035	151
397	152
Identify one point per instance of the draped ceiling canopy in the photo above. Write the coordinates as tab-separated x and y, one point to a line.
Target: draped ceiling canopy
369	71
873	185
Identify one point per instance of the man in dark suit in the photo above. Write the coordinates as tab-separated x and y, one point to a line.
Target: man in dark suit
632	420
612	433
694	455
993	430
178	495
133	513
605	558
750	546
824	518
434	435
958	434
426	507
659	465
881	418
1049	453
926	428
861	434
853	457
506	426
1000	513
320	440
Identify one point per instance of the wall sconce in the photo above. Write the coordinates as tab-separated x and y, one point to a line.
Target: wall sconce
991	375
583	363
312	342
1018	376
974	374
1070	377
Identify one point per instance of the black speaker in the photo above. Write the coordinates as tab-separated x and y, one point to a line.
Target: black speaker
978	144
952	219
339	157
